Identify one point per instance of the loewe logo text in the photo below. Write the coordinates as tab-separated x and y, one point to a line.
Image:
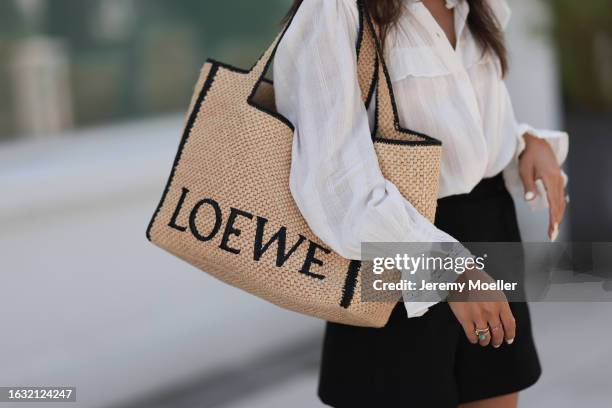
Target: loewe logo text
226	226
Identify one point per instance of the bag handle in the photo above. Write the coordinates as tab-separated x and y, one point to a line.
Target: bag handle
371	71
367	61
387	118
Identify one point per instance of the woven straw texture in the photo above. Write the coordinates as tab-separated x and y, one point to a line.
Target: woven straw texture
227	208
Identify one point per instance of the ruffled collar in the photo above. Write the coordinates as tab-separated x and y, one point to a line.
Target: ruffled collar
499	7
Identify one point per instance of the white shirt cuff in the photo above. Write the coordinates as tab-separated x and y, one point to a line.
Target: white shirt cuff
559	141
418	309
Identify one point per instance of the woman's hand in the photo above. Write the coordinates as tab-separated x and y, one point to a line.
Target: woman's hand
479	310
538	162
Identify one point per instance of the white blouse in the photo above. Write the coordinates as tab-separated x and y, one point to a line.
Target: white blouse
454	95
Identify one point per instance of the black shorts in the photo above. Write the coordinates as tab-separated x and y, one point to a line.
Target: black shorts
427	362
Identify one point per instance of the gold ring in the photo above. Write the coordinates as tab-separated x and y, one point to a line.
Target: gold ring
495	328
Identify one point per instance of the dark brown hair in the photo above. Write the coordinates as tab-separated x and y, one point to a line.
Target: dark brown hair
481	21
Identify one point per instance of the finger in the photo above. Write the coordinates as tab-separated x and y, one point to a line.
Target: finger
482	324
553	226
497	331
552	194
509	324
557	190
527	174
562	200
558	216
468	328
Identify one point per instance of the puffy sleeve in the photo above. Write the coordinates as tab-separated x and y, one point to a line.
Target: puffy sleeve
335	178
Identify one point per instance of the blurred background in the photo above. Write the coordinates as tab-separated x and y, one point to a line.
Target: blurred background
92	98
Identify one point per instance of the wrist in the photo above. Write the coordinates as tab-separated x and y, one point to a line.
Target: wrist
532	140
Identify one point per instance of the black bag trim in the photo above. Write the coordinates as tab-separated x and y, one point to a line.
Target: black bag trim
348	292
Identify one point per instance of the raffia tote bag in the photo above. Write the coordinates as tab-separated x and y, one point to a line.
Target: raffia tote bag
227	208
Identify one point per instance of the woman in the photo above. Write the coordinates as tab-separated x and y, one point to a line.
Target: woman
447	61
